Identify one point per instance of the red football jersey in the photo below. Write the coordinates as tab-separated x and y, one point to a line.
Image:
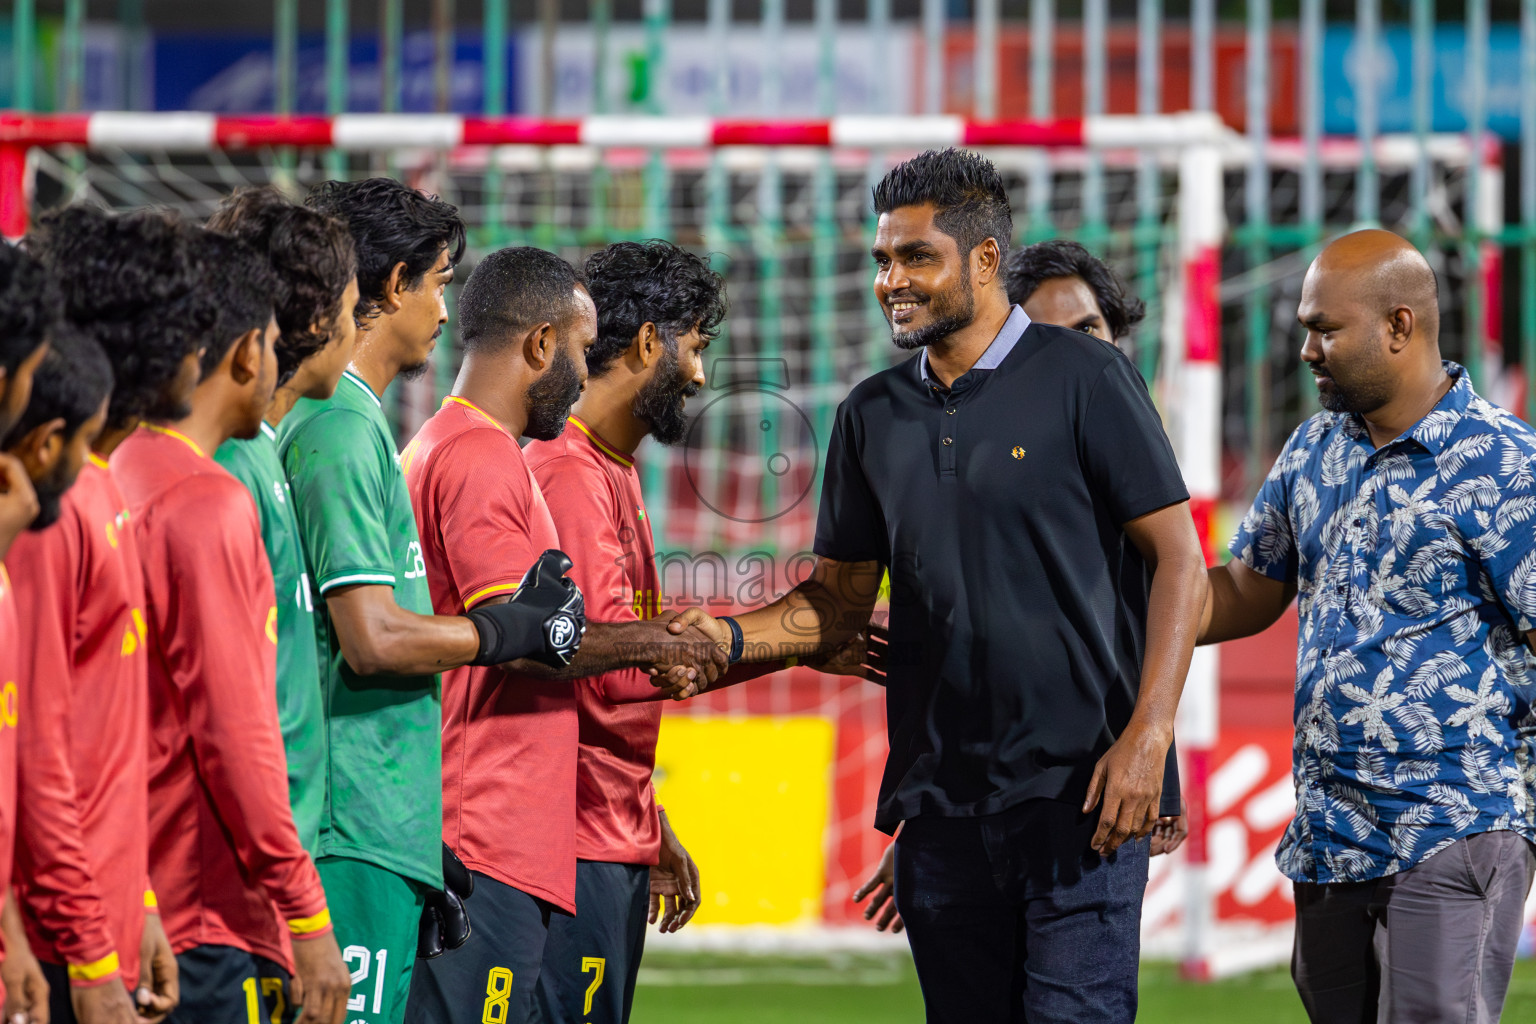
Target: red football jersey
593	491
10	673
223	848
82	851
509	741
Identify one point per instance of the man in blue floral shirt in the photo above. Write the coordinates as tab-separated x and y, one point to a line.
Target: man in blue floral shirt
1404	516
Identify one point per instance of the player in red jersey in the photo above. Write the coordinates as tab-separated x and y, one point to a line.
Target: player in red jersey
510	732
243	904
53	440
658	308
87	731
28	308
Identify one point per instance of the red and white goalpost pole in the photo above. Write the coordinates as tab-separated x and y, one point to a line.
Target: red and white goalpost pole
1193	403
1489	218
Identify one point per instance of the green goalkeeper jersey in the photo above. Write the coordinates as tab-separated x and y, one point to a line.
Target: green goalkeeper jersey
384	792
300	706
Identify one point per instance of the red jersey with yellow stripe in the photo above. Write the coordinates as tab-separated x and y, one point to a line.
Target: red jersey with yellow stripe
223	849
10	674
82	850
594	495
509	740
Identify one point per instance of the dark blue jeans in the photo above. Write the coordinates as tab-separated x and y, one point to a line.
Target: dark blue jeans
1012	917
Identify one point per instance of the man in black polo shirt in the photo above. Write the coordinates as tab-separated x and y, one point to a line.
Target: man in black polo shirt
997	476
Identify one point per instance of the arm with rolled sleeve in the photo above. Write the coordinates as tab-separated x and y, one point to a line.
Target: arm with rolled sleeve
222	648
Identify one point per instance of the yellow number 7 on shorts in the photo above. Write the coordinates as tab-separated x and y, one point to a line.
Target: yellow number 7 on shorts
592	963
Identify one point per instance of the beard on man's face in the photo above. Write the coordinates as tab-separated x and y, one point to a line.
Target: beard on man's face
551	397
1366	385
950	311
415	371
660	401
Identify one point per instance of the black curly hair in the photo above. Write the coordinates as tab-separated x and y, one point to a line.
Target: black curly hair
29	305
70	384
635	283
390	223
1033	265
135	284
966	191
514	288
242	287
313	255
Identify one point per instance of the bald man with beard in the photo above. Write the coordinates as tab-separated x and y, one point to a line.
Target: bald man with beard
1403	517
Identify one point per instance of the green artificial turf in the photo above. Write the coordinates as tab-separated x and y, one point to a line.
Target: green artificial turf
877	989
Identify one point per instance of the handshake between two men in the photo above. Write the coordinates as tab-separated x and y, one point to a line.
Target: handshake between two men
684	654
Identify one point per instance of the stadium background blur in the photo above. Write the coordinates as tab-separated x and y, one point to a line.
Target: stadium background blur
1417	115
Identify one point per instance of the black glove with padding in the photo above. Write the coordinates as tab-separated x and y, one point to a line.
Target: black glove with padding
444	921
544	620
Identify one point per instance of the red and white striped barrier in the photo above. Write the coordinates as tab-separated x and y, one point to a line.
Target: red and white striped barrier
195	132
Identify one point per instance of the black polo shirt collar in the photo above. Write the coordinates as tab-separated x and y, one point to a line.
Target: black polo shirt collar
1012	330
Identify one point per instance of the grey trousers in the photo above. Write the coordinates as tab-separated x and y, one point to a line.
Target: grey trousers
1430	945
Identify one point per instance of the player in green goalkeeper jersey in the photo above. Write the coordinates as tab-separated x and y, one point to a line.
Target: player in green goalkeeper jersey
379	644
316	266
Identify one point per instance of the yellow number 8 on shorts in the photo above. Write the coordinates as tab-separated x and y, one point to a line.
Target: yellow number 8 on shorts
498	990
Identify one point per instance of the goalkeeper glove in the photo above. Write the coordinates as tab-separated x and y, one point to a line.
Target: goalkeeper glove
444	921
544	620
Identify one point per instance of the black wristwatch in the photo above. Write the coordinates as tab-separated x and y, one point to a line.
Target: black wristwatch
738	642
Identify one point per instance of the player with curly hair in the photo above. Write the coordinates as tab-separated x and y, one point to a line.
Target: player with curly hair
55	878
658	309
244	905
134	281
132	284
380	645
511	732
315	267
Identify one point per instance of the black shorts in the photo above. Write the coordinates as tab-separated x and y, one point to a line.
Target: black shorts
493	975
225	985
590	960
60	1009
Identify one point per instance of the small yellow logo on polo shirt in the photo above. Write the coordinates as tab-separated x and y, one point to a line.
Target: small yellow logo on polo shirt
1018	452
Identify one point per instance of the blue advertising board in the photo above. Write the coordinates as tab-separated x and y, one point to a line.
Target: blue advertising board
231	73
1346	71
